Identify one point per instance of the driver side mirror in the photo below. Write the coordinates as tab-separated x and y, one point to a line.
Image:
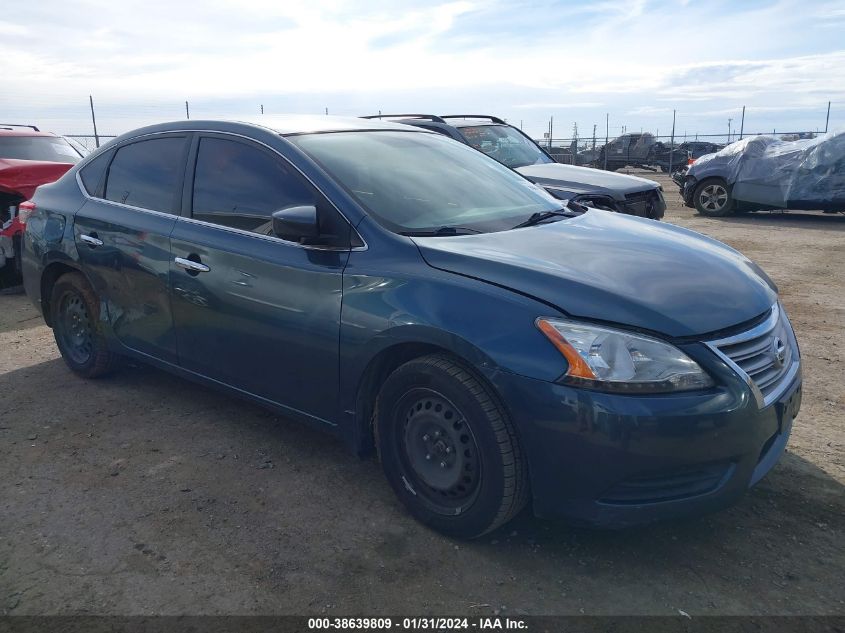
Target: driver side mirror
296	224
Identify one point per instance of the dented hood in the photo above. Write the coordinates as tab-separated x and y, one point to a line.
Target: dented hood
22	177
617	268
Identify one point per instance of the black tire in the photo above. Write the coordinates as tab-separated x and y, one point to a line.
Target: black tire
469	479
712	197
75	315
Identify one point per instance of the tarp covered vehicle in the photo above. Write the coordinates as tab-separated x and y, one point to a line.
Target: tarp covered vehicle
28	158
763	172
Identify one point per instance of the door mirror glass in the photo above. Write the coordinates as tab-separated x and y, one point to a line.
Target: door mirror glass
297	223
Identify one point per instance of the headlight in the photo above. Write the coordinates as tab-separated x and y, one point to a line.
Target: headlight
615	360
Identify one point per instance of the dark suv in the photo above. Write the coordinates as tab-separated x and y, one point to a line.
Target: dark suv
512	147
406	292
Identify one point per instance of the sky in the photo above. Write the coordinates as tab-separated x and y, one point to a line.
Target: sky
632	61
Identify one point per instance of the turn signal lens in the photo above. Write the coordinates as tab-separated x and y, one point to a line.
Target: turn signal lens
577	365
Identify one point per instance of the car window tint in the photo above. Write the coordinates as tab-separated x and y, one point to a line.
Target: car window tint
240	186
92	173
145	174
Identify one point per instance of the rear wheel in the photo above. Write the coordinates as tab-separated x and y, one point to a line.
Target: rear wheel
75	315
448	448
712	197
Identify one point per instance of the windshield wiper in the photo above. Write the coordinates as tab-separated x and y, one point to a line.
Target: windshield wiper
540	216
441	231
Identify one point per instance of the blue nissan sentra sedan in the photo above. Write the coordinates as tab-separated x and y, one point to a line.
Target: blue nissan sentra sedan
496	346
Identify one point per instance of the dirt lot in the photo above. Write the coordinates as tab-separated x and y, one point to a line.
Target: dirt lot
145	494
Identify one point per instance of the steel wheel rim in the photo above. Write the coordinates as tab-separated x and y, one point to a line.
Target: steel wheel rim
438	450
75	328
714	197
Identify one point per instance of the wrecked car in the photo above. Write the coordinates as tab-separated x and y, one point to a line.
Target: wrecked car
28	158
764	172
415	298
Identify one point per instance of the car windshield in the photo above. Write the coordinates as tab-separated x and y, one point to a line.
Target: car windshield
416	182
42	148
506	144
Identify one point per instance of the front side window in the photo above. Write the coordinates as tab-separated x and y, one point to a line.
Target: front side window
145	174
416	182
240	186
41	148
506	144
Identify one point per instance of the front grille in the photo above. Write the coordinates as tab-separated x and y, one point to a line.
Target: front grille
766	356
681	484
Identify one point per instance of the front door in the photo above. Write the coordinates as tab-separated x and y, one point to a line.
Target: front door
122	234
251	310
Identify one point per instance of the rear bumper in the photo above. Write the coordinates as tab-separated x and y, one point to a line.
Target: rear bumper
614	461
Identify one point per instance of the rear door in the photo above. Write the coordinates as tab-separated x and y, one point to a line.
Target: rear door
122	233
251	310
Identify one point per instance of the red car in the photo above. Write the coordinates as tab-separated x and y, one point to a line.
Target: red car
28	158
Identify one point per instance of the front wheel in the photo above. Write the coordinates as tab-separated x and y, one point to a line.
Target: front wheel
448	448
712	197
74	314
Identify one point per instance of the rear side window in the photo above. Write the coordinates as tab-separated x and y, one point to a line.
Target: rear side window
92	173
145	174
240	186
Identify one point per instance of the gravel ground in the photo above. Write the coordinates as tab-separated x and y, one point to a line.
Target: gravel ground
145	494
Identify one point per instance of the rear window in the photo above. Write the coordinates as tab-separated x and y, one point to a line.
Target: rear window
145	174
43	148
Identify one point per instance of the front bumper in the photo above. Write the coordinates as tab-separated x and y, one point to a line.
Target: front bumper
687	186
611	460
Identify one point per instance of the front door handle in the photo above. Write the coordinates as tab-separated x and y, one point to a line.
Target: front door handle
190	265
91	240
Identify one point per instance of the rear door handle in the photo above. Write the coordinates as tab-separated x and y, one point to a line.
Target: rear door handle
91	240
191	265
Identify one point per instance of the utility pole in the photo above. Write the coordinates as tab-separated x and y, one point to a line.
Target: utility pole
94	121
827	120
187	111
606	137
729	131
551	130
742	125
262	108
672	142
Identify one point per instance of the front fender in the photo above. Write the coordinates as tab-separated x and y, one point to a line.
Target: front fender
488	327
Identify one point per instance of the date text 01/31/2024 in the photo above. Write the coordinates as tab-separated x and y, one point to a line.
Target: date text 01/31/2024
417	624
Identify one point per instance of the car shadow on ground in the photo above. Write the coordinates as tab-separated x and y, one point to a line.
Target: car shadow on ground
814	220
160	459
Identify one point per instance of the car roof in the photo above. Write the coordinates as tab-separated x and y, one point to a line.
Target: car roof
284	125
4	131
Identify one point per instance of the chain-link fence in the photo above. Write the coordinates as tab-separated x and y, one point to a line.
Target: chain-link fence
635	149
91	142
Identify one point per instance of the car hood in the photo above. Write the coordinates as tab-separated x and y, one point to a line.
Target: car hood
585	179
616	268
22	177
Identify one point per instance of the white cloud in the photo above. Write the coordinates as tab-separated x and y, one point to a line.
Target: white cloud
638	60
